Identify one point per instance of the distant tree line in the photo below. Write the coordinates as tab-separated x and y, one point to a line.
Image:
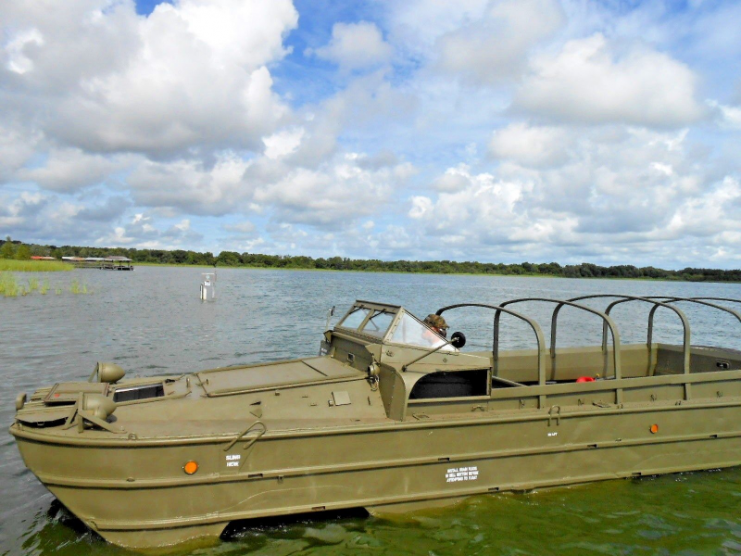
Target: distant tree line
256	260
10	249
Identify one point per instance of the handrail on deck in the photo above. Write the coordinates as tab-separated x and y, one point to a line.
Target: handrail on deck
495	347
701	301
656	304
711	299
605	318
607	324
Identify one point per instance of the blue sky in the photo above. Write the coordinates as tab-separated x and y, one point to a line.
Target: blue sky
494	130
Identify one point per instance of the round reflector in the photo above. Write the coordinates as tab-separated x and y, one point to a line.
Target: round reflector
190	467
654	429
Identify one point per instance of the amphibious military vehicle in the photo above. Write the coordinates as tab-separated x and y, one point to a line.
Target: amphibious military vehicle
390	416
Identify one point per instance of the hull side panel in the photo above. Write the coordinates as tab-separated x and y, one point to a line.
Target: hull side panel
413	462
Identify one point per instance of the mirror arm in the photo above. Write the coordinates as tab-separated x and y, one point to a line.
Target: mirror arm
330	314
438	348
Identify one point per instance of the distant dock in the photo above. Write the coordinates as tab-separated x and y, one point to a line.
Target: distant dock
107	263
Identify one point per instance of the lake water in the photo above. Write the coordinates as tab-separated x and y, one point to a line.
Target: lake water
151	321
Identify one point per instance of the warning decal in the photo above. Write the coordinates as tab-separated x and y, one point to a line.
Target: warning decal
461	474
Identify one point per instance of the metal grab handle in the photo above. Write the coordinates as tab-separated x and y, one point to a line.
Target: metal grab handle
245	432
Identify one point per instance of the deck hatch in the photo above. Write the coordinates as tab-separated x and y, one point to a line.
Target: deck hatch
222	382
341	398
69	392
48	417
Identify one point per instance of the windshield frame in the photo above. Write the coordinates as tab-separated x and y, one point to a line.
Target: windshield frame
363	329
398	313
351	312
373	310
397	322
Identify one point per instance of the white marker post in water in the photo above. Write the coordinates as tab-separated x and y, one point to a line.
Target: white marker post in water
208	286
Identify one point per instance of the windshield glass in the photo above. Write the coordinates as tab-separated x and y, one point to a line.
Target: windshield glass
411	331
378	324
355	319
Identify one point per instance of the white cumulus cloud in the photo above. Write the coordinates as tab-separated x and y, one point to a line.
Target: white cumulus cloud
530	145
69	170
333	195
588	81
355	46
495	46
101	78
189	186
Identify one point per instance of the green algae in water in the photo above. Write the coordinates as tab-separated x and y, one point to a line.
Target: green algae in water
692	513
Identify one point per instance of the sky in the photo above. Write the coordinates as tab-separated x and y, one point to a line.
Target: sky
491	130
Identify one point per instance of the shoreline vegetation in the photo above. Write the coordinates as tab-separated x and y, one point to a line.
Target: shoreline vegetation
232	259
679	278
12	265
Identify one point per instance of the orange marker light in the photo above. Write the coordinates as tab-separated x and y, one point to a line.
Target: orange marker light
654	429
190	467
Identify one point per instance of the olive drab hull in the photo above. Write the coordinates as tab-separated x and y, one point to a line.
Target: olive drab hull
180	458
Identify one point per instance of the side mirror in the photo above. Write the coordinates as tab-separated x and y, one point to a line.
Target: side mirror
458	340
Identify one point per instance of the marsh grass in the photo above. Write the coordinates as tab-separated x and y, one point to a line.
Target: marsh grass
8	284
11	286
12	265
76	287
